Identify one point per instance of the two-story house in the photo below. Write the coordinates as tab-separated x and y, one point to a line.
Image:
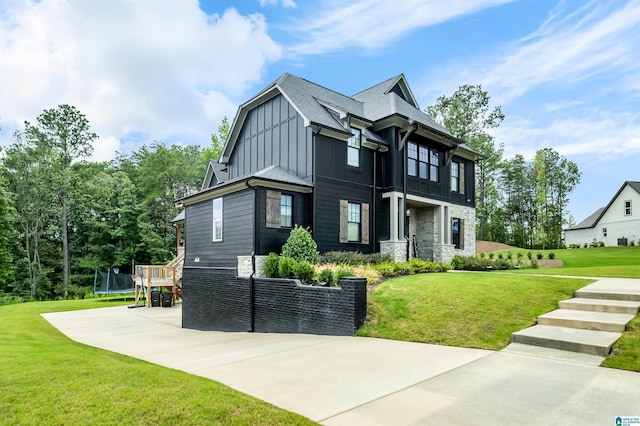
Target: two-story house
369	172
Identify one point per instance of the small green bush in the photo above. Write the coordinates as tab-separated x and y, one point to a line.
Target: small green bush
457	262
300	246
304	271
326	276
286	267
341	273
387	269
491	256
482	255
551	255
632	243
539	256
271	266
509	255
529	255
534	264
500	256
520	255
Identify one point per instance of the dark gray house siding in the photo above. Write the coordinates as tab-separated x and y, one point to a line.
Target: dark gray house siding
272	239
238	217
273	134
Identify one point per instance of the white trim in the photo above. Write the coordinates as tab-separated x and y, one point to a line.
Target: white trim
214	220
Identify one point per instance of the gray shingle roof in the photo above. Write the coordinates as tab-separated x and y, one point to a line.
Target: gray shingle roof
591	221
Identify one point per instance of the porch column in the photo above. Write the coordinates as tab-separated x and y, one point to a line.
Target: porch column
393	218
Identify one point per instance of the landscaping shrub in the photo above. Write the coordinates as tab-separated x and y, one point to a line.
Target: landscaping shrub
286	267
457	262
387	269
539	256
354	258
341	273
534	264
300	246
520	255
632	243
326	276
304	271
529	255
482	255
509	255
473	264
270	266
551	255
491	255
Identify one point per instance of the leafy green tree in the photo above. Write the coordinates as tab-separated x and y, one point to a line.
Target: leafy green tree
66	134
7	237
217	141
468	115
28	173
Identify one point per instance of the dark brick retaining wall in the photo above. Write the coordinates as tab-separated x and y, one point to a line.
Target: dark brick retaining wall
215	299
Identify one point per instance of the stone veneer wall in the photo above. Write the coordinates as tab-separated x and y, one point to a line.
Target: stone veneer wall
245	268
469	216
397	250
423	225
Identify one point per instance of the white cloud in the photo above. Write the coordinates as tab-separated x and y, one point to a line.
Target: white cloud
593	41
593	135
160	69
287	4
371	24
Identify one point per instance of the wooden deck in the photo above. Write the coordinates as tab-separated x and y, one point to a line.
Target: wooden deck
161	276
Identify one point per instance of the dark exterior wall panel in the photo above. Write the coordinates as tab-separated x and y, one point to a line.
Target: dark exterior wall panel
238	217
273	134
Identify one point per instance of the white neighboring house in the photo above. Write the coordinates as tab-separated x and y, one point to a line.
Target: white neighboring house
612	224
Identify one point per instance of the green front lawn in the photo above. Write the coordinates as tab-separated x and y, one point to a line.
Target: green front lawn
45	378
612	262
475	310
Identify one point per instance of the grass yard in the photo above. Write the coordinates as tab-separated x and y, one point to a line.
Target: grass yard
613	262
475	310
47	379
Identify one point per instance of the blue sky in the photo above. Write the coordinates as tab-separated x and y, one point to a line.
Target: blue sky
566	73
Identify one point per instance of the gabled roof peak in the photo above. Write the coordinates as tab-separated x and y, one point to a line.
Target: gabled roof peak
397	85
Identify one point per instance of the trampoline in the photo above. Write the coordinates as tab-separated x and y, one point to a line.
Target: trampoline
113	283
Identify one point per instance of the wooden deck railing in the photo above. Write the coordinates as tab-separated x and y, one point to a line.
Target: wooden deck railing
168	276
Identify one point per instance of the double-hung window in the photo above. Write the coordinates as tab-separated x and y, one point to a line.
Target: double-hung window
627	208
455	176
353	148
604	232
412	159
217	219
286	211
353	222
434	163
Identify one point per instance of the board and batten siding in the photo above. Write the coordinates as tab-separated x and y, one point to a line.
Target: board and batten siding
273	133
237	234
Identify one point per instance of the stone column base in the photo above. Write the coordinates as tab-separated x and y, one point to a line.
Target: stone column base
443	253
245	269
396	249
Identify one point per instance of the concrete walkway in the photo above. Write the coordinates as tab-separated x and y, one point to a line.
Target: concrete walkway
352	380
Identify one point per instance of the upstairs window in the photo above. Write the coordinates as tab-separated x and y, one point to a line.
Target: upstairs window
627	208
412	159
422	162
434	163
604	232
455	176
353	222
353	148
217	219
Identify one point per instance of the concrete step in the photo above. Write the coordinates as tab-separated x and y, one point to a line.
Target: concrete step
586	320
629	294
601	305
568	339
555	354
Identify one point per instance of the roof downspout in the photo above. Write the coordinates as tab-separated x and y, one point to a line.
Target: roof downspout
253	258
313	177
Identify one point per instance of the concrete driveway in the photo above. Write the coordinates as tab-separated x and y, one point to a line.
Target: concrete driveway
354	380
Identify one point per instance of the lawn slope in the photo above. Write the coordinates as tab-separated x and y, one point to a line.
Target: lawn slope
48	379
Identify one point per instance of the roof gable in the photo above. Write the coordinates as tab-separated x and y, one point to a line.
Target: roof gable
397	85
332	113
216	174
595	217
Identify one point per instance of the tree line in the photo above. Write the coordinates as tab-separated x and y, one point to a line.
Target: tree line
63	217
521	202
